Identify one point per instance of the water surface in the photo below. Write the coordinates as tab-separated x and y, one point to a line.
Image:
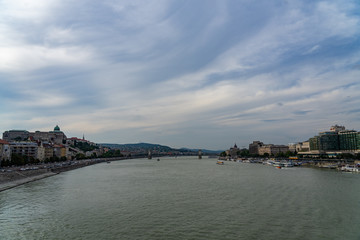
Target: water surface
184	198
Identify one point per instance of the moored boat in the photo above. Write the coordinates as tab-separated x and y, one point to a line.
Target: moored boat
278	165
350	168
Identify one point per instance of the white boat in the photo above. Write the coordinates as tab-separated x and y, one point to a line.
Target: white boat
270	162
350	168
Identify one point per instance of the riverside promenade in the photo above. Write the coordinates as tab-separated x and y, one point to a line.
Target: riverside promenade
15	176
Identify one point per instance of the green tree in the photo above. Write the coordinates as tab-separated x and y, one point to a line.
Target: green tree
17	160
244	152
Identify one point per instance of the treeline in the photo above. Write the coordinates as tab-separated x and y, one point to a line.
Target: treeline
20	160
112	153
84	146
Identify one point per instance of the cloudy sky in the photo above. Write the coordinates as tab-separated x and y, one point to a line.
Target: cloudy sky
189	73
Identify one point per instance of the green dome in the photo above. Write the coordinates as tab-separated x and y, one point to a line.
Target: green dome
56	128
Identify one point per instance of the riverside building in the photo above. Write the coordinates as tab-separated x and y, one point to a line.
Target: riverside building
56	136
39	145
259	148
336	141
16	135
28	149
5	152
233	151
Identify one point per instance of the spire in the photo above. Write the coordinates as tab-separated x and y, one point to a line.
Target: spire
83	137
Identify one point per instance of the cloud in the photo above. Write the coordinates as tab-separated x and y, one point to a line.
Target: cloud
29	58
34	11
176	71
312	50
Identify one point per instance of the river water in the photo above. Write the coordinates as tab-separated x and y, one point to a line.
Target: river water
184	198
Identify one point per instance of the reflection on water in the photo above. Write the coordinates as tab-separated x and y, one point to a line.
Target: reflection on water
184	198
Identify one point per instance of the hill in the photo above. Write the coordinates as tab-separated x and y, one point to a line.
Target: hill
145	147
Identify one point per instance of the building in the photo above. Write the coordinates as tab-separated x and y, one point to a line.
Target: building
328	141
28	149
16	135
259	148
56	136
336	141
45	151
292	147
272	149
5	152
233	151
46	145
254	147
314	143
302	146
336	128
349	140
59	151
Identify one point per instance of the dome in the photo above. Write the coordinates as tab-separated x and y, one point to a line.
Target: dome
56	128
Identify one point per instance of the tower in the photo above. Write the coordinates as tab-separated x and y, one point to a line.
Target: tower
199	154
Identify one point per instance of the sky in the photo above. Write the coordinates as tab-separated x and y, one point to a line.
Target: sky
190	73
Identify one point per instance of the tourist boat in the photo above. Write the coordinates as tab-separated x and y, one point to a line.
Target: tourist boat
349	168
220	162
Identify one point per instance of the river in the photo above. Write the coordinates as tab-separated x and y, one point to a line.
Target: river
184	198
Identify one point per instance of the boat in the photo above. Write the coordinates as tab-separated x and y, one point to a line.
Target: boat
220	162
278	165
349	168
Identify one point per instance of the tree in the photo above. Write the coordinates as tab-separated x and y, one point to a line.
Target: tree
80	156
17	160
223	154
5	163
112	153
244	153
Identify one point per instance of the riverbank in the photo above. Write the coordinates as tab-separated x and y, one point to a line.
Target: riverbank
13	177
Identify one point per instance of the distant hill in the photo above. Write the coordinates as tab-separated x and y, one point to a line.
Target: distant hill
205	151
137	147
142	146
